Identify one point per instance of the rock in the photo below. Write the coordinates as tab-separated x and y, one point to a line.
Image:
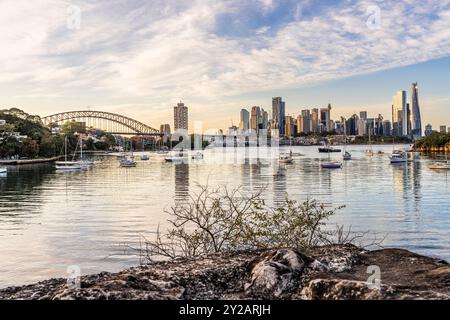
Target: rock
331	289
275	273
326	272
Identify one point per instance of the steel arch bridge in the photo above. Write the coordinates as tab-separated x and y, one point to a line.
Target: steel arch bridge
111	122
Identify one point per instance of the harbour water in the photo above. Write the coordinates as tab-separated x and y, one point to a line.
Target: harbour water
50	220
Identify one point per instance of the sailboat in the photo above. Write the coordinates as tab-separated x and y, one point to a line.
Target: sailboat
369	151
144	157
286	158
347	155
126	162
331	164
85	164
67	165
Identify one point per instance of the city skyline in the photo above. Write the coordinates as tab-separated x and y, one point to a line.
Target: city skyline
233	55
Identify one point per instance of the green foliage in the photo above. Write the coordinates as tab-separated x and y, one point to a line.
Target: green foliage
434	140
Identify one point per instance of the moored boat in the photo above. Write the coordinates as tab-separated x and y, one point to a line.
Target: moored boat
331	165
328	150
347	156
3	170
399	156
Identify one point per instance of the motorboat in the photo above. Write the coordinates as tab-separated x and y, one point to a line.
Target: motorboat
380	152
145	157
347	156
178	156
328	150
285	158
197	156
440	165
127	163
3	170
399	156
331	165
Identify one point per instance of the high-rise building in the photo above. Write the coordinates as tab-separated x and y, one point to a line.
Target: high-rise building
306	118
278	114
325	118
351	125
399	114
443	129
363	115
181	120
289	123
265	120
245	120
387	128
315	120
255	118
416	120
361	127
428	130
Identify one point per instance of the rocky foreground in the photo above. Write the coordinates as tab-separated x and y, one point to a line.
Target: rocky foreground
329	272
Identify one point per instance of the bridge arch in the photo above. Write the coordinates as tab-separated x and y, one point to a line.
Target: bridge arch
125	124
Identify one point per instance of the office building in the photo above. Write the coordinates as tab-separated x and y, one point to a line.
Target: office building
315	120
416	119
180	117
244	123
443	129
278	114
255	118
325	118
399	114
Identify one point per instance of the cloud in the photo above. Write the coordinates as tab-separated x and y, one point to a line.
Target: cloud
167	50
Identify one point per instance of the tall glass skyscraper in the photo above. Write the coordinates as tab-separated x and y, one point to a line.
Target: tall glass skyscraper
416	121
278	114
400	114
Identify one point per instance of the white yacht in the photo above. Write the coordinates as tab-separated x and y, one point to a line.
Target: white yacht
440	165
399	156
177	156
3	170
67	165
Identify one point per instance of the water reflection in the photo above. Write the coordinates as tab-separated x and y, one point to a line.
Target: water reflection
78	218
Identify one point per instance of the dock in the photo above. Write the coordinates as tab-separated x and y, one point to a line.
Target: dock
27	161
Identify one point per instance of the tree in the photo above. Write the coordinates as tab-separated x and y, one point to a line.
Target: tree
30	148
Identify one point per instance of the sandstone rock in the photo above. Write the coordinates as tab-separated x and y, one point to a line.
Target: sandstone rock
332	289
275	273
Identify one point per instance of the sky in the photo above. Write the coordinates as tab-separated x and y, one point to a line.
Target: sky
139	58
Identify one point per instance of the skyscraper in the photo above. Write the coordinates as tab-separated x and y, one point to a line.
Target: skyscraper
416	120
325	118
255	118
315	120
306	121
278	114
399	114
245	120
180	112
265	119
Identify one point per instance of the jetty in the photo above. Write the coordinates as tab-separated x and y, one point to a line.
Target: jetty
27	161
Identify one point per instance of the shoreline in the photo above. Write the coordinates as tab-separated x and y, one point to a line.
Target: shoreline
28	161
336	272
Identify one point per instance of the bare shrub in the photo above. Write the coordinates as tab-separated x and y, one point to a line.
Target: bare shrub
216	220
